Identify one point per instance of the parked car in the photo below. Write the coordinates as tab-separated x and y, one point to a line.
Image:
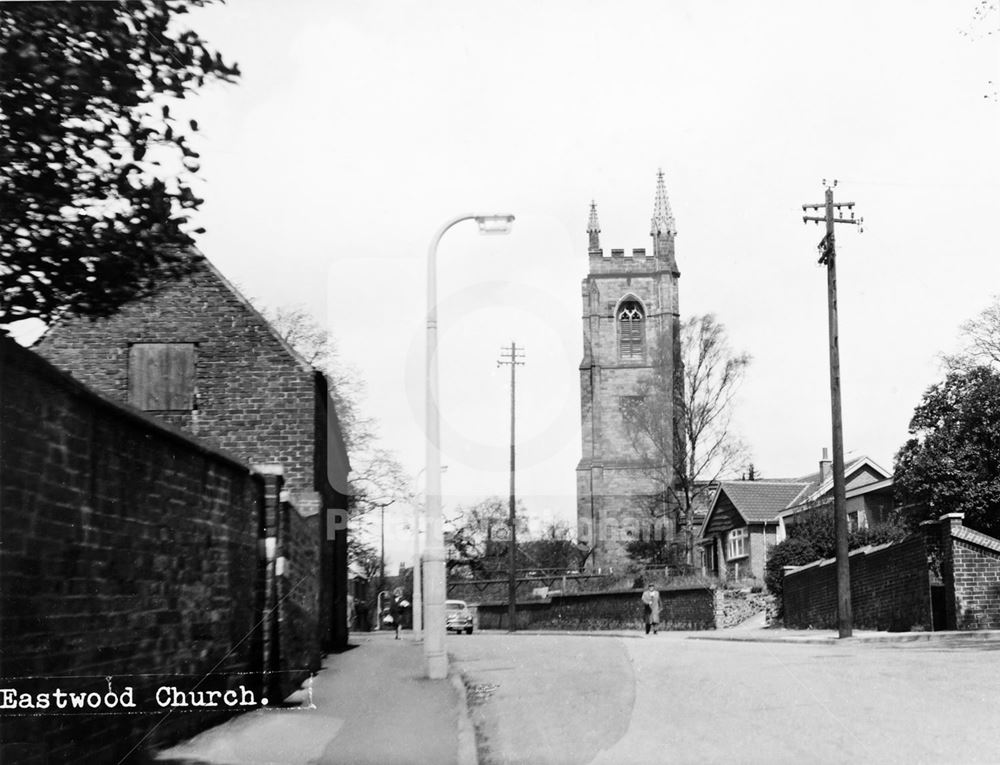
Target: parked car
458	617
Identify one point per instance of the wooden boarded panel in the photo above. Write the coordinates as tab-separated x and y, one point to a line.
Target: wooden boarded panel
161	376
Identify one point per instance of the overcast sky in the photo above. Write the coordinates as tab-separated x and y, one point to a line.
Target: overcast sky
360	127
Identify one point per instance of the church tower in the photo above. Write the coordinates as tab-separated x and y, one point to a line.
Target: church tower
630	377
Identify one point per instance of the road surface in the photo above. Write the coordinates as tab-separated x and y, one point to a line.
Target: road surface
670	699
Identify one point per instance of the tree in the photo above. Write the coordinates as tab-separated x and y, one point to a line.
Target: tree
477	535
364	556
95	170
553	549
980	340
316	345
686	464
378	480
952	461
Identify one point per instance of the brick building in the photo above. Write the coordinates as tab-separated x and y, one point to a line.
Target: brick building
631	362
197	355
747	518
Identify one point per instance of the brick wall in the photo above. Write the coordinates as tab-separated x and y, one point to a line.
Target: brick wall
971	574
253	397
890	589
892	585
127	550
298	599
682	608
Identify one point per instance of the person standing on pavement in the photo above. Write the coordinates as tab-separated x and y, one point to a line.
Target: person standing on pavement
651	608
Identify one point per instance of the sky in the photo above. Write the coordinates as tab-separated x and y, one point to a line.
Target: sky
359	128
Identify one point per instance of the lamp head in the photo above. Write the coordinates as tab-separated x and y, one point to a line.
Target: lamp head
494	224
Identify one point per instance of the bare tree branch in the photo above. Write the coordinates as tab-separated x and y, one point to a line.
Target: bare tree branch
703	447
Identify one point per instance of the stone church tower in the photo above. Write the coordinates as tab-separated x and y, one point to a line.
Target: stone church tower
629	377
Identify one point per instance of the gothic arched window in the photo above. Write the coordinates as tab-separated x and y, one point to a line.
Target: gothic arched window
630	330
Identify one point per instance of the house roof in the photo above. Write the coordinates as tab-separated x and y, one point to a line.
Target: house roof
819	488
762	501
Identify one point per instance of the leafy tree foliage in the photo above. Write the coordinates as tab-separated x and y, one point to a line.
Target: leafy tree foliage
94	169
952	461
698	388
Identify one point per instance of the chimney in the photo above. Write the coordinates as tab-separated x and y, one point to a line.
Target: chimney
825	466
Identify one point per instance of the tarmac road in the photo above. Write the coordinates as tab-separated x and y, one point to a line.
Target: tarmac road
667	698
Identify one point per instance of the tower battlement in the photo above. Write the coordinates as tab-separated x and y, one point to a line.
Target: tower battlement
663	230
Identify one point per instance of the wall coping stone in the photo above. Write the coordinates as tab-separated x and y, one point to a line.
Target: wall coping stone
976	538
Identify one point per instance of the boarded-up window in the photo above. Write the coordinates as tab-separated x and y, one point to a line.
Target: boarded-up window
161	376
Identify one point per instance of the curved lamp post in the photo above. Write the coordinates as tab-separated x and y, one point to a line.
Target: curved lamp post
435	658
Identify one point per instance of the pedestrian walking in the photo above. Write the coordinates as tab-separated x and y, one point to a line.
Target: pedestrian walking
396	606
651	609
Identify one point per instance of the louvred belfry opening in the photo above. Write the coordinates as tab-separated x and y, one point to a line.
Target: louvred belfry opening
630	330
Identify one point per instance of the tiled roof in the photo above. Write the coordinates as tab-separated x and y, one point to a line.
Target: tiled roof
759	501
763	499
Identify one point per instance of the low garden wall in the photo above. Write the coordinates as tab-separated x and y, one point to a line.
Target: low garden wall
683	608
890	589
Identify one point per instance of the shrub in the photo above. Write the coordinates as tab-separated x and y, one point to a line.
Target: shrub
791	552
879	534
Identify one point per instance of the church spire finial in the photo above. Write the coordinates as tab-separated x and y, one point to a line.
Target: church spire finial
663	219
593	227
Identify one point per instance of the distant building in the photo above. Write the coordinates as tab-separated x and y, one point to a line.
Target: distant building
631	325
197	355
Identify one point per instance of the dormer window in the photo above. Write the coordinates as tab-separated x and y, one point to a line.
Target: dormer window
630	330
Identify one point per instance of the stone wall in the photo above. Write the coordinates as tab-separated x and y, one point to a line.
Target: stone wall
128	551
683	608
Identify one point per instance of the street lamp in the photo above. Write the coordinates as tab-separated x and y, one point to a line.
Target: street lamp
418	614
435	658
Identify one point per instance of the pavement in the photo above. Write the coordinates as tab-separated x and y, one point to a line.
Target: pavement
370	704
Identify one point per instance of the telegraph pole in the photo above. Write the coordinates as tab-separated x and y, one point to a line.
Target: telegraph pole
512	357
828	257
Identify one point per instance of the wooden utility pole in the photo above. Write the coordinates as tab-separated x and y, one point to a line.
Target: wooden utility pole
512	356
828	257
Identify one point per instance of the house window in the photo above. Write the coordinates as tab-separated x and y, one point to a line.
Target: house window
737	543
161	376
852	521
630	330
